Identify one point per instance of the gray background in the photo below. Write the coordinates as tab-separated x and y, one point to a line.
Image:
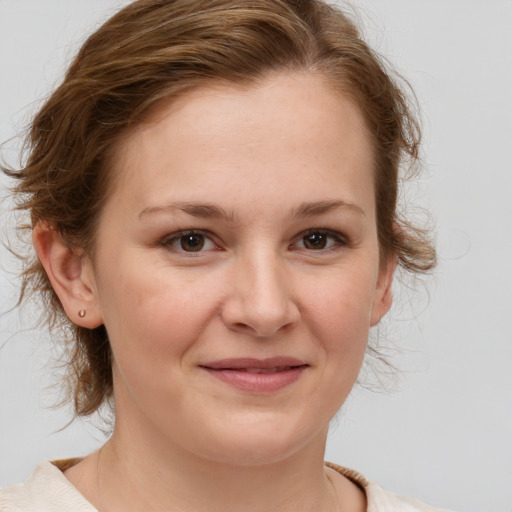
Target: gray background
444	432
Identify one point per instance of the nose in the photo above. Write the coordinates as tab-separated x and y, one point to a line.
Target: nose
259	301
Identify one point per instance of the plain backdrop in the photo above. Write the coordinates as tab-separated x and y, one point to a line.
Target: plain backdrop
442	432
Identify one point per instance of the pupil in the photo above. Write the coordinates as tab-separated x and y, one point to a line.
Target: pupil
192	243
315	241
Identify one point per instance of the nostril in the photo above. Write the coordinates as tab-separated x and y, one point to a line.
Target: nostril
241	326
267	330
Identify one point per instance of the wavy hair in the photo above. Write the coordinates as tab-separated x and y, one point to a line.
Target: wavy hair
155	49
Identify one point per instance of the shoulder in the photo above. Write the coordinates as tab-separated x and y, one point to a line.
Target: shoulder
381	500
46	490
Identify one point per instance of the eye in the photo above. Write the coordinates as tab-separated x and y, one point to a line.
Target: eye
320	239
188	241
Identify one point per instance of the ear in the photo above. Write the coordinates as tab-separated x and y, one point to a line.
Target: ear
383	296
70	274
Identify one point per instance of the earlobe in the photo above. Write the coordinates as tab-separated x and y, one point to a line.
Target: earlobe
383	298
64	267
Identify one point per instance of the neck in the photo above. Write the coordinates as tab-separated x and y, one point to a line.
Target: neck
177	480
141	469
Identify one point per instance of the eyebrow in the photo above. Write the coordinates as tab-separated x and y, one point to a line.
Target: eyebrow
311	209
212	211
205	211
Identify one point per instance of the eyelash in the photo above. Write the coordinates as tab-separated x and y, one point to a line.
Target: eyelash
168	241
338	241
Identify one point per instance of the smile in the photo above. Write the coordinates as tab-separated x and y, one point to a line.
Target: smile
257	376
267	370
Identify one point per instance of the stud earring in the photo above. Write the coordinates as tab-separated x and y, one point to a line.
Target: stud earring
82	313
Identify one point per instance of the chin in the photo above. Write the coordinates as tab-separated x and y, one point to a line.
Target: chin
252	454
254	444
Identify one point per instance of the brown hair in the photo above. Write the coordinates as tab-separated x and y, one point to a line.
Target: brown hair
154	49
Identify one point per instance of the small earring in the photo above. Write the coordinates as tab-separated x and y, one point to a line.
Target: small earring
82	313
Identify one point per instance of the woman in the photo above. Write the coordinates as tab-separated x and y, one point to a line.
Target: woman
213	200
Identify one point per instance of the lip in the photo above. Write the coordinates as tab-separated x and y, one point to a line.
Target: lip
257	375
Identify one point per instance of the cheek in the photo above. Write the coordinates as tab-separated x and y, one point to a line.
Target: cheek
339	311
153	322
342	301
150	313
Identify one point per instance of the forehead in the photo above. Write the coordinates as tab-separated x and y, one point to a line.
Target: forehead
290	126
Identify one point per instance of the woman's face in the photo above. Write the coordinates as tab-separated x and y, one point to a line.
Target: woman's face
237	268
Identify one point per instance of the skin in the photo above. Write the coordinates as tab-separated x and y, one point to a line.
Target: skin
277	165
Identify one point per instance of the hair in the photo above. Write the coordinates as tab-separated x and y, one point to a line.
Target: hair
156	49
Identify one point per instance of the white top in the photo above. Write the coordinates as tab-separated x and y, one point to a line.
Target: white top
48	490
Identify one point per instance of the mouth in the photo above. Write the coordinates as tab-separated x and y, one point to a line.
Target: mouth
257	375
264	370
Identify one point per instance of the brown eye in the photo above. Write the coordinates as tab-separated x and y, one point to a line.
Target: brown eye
192	242
316	240
187	242
320	240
